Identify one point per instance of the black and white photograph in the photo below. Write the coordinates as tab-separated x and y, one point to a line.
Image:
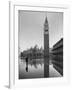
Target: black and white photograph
36	44
40	44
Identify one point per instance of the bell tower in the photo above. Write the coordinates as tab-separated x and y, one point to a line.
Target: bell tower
46	48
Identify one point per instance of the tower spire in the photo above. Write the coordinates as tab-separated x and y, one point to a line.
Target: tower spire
46	26
46	21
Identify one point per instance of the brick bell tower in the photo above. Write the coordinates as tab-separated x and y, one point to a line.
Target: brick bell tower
46	48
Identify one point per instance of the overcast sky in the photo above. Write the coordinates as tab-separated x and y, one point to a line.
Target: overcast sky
31	28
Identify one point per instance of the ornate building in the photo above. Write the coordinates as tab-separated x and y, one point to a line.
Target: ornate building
46	48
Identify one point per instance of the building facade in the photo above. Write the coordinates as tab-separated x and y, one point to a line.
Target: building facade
57	56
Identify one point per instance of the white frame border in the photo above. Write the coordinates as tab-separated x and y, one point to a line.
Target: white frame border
14	82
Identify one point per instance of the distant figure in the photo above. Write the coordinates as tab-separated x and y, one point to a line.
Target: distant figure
26	64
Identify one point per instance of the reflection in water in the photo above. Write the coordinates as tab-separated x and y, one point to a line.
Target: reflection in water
32	69
35	69
26	64
33	62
